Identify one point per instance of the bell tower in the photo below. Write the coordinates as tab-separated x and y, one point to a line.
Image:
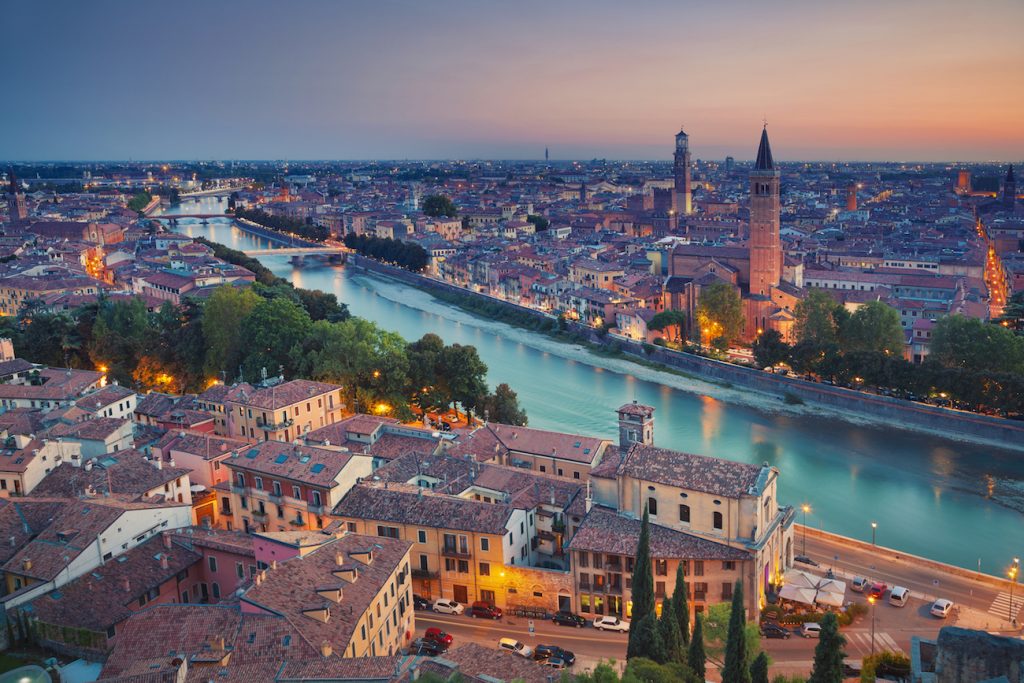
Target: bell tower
17	210
636	425
765	241
681	196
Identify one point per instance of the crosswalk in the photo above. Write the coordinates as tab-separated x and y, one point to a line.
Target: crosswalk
1001	606
862	639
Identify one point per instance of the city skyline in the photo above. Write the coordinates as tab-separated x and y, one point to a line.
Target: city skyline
395	81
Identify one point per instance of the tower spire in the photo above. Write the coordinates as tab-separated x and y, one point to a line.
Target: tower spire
764	153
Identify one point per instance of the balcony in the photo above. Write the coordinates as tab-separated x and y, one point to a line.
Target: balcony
276	498
584	585
452	551
272	426
425	574
240	490
260	516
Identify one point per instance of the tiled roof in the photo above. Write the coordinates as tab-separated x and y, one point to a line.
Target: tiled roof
106	595
98	429
155	404
126	472
286	394
219	539
205	445
688	471
59	385
22	421
572	447
103	397
605	531
332	669
406	505
306	464
290	588
472	661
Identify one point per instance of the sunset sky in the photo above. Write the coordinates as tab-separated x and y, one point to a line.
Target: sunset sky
896	79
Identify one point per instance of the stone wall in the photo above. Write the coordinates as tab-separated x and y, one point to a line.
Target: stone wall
527	581
966	656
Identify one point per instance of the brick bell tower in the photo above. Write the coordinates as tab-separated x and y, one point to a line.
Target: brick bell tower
765	242
682	199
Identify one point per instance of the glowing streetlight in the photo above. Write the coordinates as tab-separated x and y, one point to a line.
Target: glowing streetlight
1013	578
806	508
872	600
874	527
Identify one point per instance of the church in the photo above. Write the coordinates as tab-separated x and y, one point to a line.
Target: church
755	270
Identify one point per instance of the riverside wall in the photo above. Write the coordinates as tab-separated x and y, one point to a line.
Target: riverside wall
895	412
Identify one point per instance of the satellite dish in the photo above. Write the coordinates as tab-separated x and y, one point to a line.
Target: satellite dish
197	488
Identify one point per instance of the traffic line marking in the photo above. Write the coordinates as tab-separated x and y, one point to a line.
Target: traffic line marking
1002	607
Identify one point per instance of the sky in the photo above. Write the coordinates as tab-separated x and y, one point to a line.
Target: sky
924	80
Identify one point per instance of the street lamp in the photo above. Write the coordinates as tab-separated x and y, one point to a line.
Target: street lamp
874	527
1013	579
872	599
806	508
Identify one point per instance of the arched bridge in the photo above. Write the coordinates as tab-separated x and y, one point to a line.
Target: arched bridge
299	254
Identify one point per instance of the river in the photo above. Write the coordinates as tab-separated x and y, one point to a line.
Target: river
950	501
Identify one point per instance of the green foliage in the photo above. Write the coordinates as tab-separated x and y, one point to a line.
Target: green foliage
644	670
539	222
645	638
695	656
828	653
876	327
405	255
816	319
643	634
271	330
668	630
439	205
972	345
717	620
503	406
222	320
782	678
674	321
120	334
238	258
140	201
295	226
889	664
680	605
720	312
759	669
737	664
770	349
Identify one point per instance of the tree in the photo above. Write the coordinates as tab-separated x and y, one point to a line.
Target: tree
970	344
668	631
222	319
424	373
539	222
1013	313
271	330
464	373
770	349
642	633
815	319
695	656
759	669
720	312
736	667
645	638
503	406
873	327
439	205
680	606
121	333
828	654
673	321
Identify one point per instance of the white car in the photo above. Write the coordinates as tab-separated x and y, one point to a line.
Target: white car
860	584
514	646
446	606
941	608
610	623
810	630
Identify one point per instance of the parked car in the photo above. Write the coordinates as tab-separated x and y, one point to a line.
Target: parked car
898	596
877	590
860	584
543	652
556	663
810	630
564	618
851	668
446	606
610	623
515	647
770	630
438	636
941	608
485	610
806	560
426	648
420	602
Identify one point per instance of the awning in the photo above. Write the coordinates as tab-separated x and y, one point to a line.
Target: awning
830	599
797	594
795	577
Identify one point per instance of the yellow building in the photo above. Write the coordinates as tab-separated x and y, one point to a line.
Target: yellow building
281	412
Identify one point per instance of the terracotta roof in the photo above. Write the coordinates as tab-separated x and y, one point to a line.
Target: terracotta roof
606	531
58	385
408	505
286	394
572	447
219	539
694	472
472	661
306	464
103	398
205	445
98	429
126	472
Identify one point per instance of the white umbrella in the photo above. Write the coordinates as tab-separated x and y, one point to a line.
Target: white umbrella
797	594
797	578
830	599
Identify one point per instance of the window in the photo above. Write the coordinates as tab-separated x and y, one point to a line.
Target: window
449	564
387	531
487	596
485	544
421	536
661	567
240	570
543	468
213	563
716	519
684	513
240	477
463	567
216	590
317	500
585	604
576	475
584	559
277	488
423	563
296	493
259	483
351	526
659	589
726	590
698	567
652	505
729	566
485	569
597	560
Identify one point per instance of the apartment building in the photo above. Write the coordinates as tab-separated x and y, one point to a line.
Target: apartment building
281	412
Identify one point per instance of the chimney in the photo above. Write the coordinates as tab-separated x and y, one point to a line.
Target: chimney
167	539
325	649
217	643
339	559
164	564
126	584
26	563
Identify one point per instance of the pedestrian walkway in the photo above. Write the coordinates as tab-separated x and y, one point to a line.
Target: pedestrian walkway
862	639
1001	606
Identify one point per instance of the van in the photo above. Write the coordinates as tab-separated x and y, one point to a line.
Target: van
899	596
513	645
810	630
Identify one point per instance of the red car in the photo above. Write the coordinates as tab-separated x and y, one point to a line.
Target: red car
877	590
438	636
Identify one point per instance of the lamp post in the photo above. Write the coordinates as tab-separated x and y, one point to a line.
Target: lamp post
874	527
1013	582
806	508
872	599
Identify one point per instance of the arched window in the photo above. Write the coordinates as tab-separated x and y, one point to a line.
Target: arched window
652	505
716	519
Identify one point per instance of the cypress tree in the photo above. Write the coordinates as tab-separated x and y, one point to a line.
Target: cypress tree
680	604
671	639
735	668
647	643
695	656
828	654
759	669
643	595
